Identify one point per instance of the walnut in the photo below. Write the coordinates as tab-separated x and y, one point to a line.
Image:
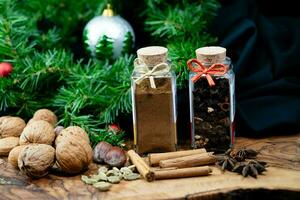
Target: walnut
35	160
32	120
73	155
40	132
14	155
11	126
7	144
46	115
74	132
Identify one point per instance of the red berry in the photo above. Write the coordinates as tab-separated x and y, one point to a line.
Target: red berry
114	127
5	69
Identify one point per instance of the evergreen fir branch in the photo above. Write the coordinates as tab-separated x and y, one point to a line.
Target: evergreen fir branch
120	103
14	32
106	89
182	19
181	26
7	99
67	16
48	39
41	69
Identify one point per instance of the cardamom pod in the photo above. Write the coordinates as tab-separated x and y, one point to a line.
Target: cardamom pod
102	169
131	177
116	170
102	186
110	173
88	180
114	179
100	177
125	170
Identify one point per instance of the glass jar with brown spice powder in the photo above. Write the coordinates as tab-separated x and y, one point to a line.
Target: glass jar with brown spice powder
153	101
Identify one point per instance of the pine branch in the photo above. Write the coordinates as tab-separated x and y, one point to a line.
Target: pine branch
14	32
182	26
121	103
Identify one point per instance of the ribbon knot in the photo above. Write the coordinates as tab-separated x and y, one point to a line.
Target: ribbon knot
146	72
214	69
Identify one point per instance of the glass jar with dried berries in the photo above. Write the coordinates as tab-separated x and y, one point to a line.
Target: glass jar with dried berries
212	99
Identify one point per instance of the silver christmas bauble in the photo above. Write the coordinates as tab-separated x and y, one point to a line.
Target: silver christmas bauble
108	36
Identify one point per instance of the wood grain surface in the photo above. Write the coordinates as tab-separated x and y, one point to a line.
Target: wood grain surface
281	153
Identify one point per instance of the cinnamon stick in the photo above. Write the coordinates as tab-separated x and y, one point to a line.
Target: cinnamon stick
141	166
189	161
154	158
182	173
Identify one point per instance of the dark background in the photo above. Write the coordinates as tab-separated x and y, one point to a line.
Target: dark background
263	40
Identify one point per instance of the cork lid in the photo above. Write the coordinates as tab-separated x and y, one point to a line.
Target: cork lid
153	55
211	54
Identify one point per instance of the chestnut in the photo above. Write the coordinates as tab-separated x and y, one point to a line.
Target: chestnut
100	151
116	157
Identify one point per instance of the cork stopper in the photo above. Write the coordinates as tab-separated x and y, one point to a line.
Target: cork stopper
211	55
153	55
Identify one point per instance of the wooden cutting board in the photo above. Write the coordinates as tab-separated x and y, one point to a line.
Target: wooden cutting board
282	154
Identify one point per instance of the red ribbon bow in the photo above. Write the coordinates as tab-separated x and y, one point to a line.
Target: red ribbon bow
214	69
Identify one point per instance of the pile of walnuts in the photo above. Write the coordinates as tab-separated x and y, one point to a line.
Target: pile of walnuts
38	146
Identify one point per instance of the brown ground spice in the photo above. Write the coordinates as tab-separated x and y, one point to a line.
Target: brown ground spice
156	129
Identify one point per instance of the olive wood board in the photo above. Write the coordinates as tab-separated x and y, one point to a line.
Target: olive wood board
281	152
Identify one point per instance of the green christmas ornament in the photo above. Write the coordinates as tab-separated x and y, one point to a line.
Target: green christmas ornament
108	36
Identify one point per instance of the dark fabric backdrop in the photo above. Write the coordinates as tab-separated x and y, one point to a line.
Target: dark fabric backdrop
263	40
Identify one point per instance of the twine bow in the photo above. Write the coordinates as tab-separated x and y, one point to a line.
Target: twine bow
214	69
146	72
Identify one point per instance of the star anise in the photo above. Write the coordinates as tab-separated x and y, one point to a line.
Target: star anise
226	161
243	154
252	168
